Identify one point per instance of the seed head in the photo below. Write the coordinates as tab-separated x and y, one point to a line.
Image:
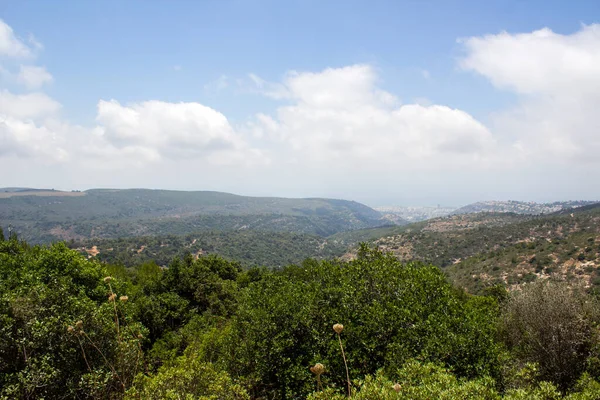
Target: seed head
107	279
112	297
79	324
317	369
70	329
123	298
397	387
140	336
338	328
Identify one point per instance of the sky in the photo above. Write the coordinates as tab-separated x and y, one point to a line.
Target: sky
383	102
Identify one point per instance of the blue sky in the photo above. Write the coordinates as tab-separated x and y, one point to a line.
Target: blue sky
204	52
127	49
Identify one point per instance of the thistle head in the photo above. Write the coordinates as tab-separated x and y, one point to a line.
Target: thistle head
123	298
397	387
79	324
112	297
317	369
140	336
338	328
70	329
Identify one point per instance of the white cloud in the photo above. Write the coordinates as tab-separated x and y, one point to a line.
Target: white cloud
26	139
10	45
341	115
156	130
558	81
33	77
540	62
27	106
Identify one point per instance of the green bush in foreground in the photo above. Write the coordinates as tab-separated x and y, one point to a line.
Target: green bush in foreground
392	312
186	378
425	381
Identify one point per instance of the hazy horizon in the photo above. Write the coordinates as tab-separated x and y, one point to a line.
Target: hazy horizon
393	103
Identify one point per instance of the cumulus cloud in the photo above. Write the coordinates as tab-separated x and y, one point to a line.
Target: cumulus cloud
10	45
540	62
156	129
341	114
27	106
26	139
557	80
33	76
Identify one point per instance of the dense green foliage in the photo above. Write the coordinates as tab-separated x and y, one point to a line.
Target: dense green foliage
392	312
251	248
207	329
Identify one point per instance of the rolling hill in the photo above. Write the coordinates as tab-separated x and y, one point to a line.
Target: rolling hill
111	213
484	249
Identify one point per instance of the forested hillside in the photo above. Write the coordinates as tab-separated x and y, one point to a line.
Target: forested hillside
46	216
249	247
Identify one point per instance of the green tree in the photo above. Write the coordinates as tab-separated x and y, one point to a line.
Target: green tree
391	311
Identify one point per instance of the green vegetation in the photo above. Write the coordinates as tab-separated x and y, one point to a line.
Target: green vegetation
469	240
251	248
136	212
574	258
207	329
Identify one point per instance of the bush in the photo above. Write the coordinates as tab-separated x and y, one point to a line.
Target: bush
187	378
58	335
552	325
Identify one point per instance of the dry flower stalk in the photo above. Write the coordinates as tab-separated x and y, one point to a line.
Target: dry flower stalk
338	328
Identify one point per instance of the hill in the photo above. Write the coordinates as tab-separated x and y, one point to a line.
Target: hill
250	248
107	213
447	240
439	241
563	246
521	207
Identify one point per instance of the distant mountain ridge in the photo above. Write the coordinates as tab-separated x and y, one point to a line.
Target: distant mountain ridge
521	207
113	213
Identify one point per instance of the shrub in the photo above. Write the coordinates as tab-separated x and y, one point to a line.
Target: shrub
551	324
186	378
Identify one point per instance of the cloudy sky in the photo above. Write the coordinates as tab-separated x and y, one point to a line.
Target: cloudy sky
383	102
